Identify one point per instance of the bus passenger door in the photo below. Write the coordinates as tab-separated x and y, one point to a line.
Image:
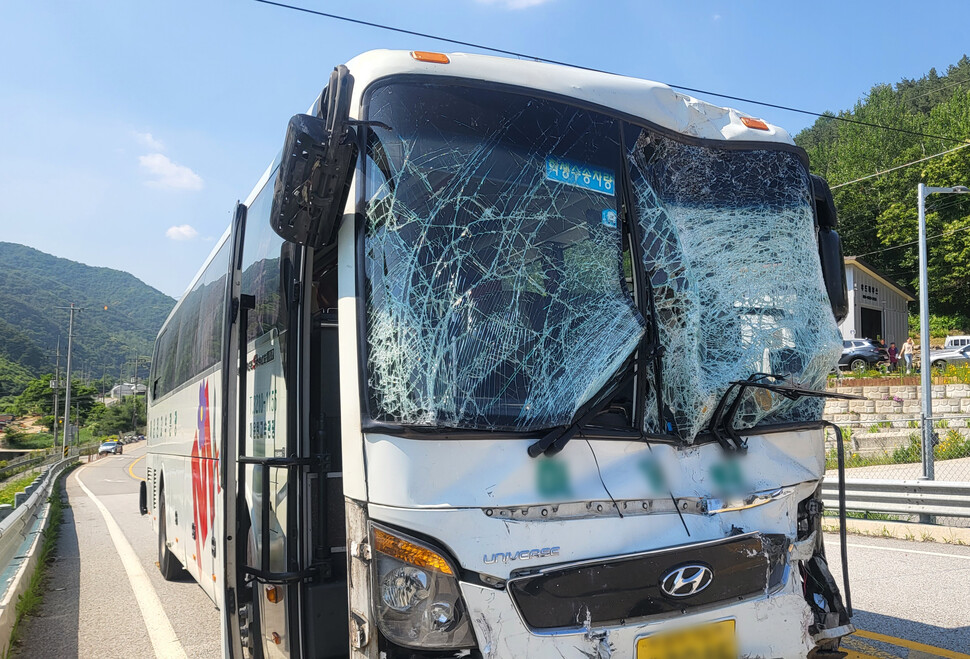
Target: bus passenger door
268	466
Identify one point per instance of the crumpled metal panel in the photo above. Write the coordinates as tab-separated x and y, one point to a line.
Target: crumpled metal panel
729	244
495	296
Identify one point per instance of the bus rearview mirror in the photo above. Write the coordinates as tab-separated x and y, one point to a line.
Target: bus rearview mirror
830	248
313	180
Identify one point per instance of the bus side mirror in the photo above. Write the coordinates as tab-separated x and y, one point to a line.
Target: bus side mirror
830	249
315	169
143	498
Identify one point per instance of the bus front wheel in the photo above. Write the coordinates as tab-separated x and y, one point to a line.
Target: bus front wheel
168	565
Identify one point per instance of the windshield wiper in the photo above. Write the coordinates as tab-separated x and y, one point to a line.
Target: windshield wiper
557	438
721	425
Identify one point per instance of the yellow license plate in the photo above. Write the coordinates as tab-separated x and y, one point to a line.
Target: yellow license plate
711	641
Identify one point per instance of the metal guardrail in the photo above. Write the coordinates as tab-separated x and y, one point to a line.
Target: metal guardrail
19	544
911	497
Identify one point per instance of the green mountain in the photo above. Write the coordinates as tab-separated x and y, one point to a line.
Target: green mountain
33	285
874	173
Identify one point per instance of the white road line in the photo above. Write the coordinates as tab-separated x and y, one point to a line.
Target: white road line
909	551
160	631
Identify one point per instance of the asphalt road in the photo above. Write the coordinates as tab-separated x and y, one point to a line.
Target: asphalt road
911	599
906	595
90	607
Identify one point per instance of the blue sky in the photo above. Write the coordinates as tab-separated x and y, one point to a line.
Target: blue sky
129	129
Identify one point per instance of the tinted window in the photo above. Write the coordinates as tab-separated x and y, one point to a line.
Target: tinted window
192	340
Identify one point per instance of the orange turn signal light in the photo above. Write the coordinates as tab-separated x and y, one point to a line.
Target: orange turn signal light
751	122
434	58
274	594
277	638
408	552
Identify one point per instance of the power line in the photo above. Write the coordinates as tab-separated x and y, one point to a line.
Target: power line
933	91
513	53
892	169
913	242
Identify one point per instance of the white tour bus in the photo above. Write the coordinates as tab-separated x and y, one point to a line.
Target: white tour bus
502	358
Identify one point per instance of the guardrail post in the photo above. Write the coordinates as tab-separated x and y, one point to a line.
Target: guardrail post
19	498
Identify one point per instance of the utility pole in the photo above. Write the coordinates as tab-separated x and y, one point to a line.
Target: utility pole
134	392
56	385
134	397
67	388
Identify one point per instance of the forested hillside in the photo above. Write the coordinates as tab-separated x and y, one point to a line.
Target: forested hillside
878	215
32	287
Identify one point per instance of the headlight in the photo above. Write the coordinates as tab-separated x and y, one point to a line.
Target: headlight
416	592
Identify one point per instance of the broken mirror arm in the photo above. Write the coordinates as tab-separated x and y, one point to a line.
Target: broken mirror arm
721	425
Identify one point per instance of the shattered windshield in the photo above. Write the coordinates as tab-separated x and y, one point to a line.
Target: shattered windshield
728	243
495	294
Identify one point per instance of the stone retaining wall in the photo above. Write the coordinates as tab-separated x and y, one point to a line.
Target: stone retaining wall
890	416
896	404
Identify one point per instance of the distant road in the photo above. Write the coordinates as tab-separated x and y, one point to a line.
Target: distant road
90	605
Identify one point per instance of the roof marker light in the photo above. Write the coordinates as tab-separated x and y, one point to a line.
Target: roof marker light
434	58
751	122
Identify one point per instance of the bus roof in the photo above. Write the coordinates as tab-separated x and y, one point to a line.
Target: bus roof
654	102
651	101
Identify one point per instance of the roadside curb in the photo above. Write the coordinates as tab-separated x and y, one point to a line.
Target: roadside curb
902	530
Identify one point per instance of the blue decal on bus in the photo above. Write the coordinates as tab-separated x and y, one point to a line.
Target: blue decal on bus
609	218
582	176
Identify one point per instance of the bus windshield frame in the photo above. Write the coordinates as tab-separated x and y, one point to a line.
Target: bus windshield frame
470	205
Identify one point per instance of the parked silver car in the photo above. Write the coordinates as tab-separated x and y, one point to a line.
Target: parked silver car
940	359
111	447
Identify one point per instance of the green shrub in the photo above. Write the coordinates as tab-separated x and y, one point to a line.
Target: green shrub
912	452
952	445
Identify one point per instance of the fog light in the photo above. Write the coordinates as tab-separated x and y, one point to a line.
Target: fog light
442	616
404	587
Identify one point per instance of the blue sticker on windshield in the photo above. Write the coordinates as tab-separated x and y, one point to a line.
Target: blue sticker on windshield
609	218
582	176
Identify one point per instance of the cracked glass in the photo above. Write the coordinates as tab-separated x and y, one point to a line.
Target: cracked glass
729	246
495	293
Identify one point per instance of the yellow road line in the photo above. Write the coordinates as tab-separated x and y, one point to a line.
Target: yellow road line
912	645
132	466
856	648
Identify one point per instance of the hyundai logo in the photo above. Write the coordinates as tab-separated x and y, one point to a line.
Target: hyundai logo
686	580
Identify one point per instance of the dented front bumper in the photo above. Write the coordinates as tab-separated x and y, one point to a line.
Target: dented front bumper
773	625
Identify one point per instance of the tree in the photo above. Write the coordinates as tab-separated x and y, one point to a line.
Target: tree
878	215
116	419
38	399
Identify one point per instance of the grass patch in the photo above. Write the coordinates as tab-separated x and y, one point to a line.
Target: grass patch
31	598
8	491
951	446
854	514
30	441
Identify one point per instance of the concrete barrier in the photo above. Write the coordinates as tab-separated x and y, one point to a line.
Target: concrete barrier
20	540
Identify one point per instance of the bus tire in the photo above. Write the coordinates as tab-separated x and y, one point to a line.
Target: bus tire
168	565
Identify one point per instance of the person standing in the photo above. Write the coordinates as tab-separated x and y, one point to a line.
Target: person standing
907	354
893	356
